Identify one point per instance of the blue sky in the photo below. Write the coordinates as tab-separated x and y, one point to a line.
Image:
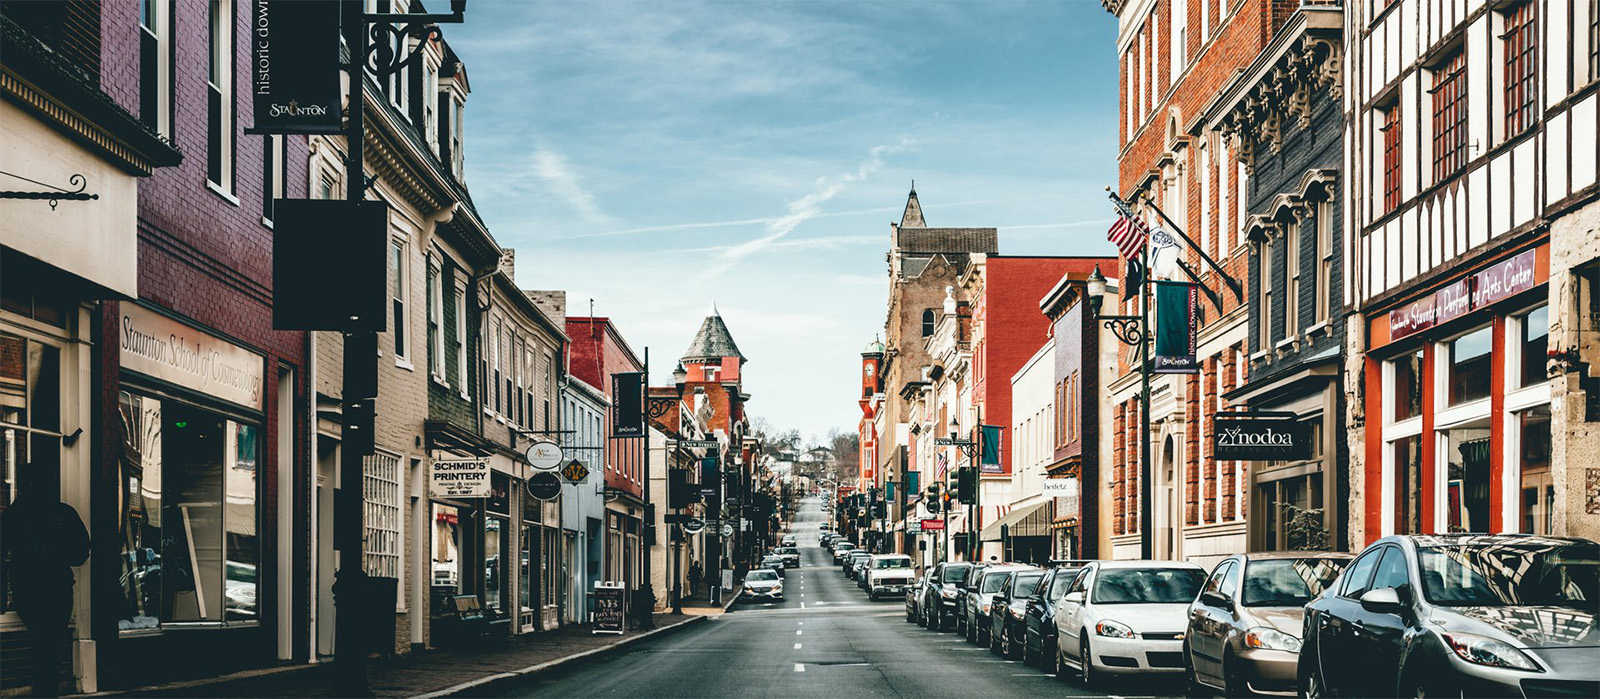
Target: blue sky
656	156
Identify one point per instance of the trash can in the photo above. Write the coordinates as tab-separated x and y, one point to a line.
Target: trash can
377	607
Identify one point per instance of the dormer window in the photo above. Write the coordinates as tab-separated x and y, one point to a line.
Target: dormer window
711	373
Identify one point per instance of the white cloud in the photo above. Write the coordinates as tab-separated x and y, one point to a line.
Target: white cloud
557	174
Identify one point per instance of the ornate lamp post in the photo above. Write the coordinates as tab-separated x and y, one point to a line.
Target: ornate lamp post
1134	330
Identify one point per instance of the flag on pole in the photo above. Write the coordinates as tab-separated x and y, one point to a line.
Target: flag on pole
1163	255
1128	234
944	467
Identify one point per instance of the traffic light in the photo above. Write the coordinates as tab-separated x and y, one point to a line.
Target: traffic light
932	503
967	485
880	510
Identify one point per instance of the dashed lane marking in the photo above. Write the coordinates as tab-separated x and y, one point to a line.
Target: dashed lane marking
797	632
799	667
797	646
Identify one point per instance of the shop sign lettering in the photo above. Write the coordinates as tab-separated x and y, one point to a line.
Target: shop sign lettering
1261	439
163	348
1495	284
459	478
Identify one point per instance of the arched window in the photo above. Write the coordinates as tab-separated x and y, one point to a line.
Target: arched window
927	322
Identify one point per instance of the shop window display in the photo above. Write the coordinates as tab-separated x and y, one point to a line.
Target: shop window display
1407	393
1469	357
1467	483
1535	341
190	548
30	422
495	538
1407	485
1536	501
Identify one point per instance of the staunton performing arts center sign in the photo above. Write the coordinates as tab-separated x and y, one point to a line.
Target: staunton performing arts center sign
294	66
1261	437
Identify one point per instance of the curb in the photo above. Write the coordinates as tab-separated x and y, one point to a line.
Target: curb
504	679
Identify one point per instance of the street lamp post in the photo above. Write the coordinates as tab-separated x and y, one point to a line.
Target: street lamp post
1134	330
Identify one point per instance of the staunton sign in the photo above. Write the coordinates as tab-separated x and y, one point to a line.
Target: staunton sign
294	66
1261	437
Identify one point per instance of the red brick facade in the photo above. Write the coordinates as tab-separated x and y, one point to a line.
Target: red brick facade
598	351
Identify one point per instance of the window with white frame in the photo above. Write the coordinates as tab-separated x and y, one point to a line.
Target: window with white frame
436	355
381	500
461	338
398	286
1291	278
273	159
155	65
1323	231
1224	205
1531	509
1203	160
1264	294
219	96
497	339
1180	36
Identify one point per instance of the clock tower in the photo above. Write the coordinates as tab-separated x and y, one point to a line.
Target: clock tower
871	367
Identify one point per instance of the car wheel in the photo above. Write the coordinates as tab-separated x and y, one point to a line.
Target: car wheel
1058	665
1028	657
1008	647
1312	685
1232	686
1090	679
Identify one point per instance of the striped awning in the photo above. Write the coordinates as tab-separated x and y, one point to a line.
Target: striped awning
1029	520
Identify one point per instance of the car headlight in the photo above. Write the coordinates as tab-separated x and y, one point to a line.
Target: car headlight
1483	650
947	594
985	607
1112	629
1271	639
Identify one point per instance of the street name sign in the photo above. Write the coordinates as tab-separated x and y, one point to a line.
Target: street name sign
698	443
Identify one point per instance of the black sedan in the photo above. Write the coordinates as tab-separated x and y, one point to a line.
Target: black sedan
1007	610
1039	628
1452	615
941	595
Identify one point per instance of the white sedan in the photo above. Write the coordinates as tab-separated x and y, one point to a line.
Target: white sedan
1126	617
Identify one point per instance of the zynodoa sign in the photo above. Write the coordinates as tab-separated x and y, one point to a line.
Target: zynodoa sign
1261	437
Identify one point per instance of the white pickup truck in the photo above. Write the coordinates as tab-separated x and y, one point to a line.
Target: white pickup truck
888	573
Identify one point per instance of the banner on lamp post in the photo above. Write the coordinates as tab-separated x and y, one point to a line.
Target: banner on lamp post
294	68
1177	328
989	458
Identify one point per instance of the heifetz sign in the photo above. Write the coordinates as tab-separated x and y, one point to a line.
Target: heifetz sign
294	69
1499	282
1261	437
459	478
161	347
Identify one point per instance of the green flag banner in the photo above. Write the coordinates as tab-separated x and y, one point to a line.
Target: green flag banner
1177	328
990	461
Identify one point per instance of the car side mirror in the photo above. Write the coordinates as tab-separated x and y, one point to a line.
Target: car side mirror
1384	600
1216	599
1073	597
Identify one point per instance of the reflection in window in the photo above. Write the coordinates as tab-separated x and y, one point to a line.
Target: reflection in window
494	570
1407	485
1467	478
1535	345
141	512
191	560
30	424
1469	366
1536	503
1407	393
239	519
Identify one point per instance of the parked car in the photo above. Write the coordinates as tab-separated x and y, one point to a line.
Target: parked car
790	554
858	569
914	593
888	574
763	583
964	594
979	597
1007	609
852	561
1244	628
826	538
1039	627
1468	614
788	540
1126	617
940	594
841	549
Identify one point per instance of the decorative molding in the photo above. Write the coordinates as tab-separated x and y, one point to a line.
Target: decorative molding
1309	60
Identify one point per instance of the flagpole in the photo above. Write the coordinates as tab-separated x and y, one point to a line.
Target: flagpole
1146	499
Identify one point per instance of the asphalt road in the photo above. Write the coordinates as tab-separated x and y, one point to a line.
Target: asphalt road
825	640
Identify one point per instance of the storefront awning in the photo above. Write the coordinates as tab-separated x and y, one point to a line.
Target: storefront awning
1029	520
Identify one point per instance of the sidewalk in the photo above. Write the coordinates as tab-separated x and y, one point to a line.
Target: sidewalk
437	673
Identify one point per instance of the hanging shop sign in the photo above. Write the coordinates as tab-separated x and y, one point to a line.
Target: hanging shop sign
694	526
989	450
544	455
544	486
575	471
1060	487
727	530
459	478
1261	437
627	408
294	68
1497	283
610	611
1177	328
161	347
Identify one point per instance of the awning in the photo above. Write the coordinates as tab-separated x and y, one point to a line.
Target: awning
1028	520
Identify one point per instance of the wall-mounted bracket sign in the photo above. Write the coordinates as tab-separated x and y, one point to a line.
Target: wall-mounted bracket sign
1261	436
544	455
544	486
459	478
294	71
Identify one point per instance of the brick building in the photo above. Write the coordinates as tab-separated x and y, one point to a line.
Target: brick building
1176	57
1291	146
598	351
711	382
1079	445
72	119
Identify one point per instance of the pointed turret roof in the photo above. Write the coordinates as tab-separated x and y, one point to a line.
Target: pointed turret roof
713	341
912	218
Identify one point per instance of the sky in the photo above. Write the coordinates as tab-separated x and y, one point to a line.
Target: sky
656	157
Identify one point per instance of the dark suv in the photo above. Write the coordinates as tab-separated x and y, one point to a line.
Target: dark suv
942	593
1039	628
1007	609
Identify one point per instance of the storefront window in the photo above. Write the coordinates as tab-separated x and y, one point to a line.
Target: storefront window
1538	493
494	541
1407	392
1535	345
1295	519
190	549
1407	485
1467	483
446	549
30	424
526	571
1469	366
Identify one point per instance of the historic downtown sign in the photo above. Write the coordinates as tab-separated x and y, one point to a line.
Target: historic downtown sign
294	67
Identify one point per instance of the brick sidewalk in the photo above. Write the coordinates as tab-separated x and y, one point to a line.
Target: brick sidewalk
435	672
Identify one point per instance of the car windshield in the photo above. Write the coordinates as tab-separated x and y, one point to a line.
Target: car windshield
883	563
993	582
759	575
1518	573
956	574
787	550
845	545
1289	582
1025	584
772	559
1147	586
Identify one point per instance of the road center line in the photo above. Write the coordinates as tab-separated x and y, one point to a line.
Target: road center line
799	667
797	646
797	632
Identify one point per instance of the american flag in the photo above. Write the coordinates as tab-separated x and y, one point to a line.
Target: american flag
1128	234
944	467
